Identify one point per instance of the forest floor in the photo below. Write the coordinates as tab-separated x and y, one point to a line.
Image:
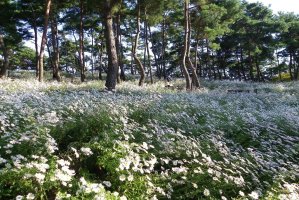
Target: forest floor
74	141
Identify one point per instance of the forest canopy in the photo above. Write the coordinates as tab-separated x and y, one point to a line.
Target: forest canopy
208	39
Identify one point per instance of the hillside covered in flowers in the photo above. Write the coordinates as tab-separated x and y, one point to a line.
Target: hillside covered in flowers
66	141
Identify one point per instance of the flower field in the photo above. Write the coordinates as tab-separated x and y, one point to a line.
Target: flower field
66	141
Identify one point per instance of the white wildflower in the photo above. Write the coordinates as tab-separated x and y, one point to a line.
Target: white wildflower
206	192
130	177
107	183
115	194
123	198
195	185
30	196
86	151
2	160
75	152
241	194
254	195
19	197
39	177
122	177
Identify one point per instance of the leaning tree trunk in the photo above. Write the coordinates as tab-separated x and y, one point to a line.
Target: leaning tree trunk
195	81
43	42
184	56
137	60
111	51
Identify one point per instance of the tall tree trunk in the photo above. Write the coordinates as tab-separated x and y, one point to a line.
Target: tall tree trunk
101	61
290	66
239	66
208	65
4	67
201	62
81	43
147	47
36	47
137	60
296	70
132	56
242	64
121	75
259	72
56	74
155	55
250	66
120	55
164	48
50	56
184	56
34	23
116	31
111	50
92	53
195	81
196	52
43	42
5	56
100	57
213	66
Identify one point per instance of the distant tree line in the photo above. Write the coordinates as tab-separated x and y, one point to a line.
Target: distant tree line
210	39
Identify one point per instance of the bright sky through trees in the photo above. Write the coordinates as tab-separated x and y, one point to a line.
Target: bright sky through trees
281	5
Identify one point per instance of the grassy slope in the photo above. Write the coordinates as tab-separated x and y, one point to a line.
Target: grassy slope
150	142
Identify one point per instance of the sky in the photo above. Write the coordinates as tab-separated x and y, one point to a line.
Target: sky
280	5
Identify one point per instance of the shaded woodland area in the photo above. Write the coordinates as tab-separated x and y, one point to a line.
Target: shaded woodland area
112	39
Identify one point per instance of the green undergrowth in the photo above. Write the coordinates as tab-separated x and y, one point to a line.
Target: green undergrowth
136	144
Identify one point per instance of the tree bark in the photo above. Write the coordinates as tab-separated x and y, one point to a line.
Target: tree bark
101	61
147	48
111	50
195	81
250	66
185	49
36	48
121	76
296	70
137	60
81	43
92	53
155	55
291	66
164	49
56	74
196	52
5	65
132	56
43	42
242	64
